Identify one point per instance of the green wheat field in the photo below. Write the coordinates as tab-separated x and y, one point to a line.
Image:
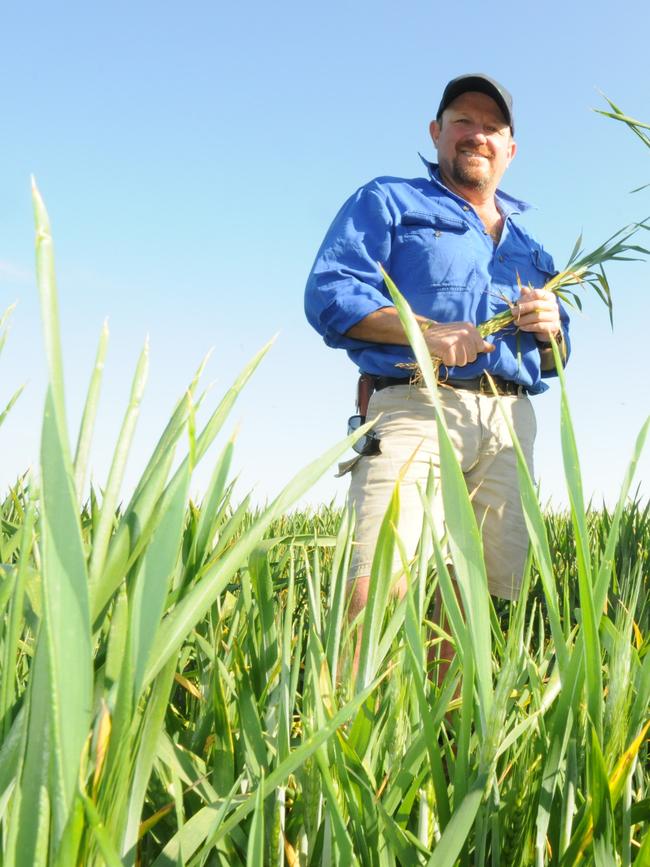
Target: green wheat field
176	682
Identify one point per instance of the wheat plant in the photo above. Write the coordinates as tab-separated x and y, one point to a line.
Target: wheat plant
177	684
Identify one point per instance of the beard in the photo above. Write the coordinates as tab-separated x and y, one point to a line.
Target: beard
468	176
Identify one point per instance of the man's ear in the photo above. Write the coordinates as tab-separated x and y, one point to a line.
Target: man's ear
434	132
512	150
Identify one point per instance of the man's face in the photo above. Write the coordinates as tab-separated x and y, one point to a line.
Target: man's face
474	143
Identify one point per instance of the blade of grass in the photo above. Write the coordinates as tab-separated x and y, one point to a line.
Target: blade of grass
82	452
255	852
31	807
463	534
66	616
152	725
381	574
15	621
12	400
538	535
153	581
591	641
66	627
104	529
455	834
46	281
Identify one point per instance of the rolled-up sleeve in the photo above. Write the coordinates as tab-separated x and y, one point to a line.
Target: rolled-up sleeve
345	284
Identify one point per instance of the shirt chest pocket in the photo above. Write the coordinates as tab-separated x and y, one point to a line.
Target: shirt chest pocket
544	264
434	252
533	267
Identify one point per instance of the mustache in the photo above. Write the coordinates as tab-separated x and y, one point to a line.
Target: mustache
473	150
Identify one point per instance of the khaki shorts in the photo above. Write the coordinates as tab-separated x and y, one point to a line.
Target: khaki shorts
484	449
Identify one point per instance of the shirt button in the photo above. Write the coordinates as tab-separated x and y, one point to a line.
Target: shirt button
437	233
500	258
466	207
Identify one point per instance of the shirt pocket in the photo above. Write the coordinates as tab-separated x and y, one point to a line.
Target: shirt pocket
543	262
534	267
433	252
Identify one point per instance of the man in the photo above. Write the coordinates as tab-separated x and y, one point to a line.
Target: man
453	244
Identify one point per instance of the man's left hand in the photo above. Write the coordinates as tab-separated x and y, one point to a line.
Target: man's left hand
537	311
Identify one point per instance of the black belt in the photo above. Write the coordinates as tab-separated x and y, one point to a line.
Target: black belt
477	383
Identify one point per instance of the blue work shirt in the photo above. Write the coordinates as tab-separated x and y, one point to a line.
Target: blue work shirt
435	247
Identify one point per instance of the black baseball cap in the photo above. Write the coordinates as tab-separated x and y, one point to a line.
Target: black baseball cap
477	81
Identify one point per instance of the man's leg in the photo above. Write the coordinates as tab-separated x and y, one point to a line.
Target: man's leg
494	487
409	446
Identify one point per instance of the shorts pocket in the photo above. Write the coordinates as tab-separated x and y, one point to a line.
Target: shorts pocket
346	467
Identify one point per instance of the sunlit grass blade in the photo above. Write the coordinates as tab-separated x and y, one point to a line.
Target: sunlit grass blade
66	627
603	578
337	599
82	451
68	852
209	510
103	532
561	726
46	281
170	435
455	834
32	806
431	716
151	727
104	842
460	521
8	684
255	853
12	754
572	473
286	696
12	400
264	593
538	535
4	325
636	126
66	620
153	580
381	574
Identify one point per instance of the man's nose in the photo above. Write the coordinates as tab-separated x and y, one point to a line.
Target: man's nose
477	134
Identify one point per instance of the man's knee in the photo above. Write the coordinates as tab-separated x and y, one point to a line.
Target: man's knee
357	595
358	589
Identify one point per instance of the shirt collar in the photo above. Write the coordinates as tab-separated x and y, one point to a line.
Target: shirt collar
507	204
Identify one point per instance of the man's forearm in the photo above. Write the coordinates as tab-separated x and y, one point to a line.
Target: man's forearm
454	343
382	326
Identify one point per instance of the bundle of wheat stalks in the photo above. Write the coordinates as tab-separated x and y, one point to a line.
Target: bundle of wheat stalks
582	269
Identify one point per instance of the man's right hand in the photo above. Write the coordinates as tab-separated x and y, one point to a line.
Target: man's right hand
454	343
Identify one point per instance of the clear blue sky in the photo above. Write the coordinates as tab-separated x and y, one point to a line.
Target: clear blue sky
192	156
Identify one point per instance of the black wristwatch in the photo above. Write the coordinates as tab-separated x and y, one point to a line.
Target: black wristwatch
546	343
